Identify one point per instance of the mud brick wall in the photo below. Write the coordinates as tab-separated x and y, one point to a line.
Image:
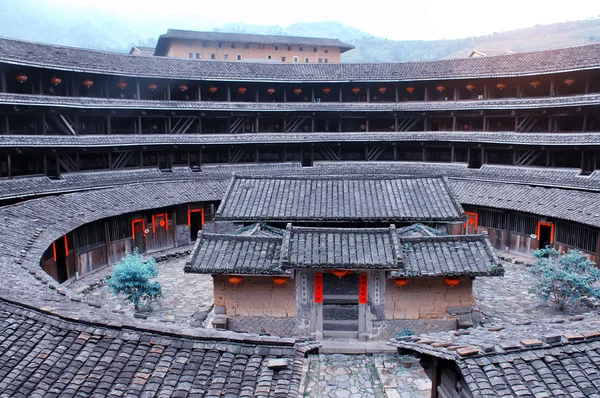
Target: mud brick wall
256	296
425	298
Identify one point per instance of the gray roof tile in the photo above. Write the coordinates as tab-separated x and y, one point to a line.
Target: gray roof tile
90	61
339	198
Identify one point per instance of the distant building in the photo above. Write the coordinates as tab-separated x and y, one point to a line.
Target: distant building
139	50
250	48
489	53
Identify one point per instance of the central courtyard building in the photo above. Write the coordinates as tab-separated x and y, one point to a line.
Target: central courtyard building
342	256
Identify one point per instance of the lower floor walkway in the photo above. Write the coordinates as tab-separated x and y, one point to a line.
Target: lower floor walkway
370	375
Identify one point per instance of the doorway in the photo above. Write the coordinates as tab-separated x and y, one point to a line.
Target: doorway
545	234
138	232
195	222
59	249
340	305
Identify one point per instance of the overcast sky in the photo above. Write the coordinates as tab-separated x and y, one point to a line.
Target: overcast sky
393	19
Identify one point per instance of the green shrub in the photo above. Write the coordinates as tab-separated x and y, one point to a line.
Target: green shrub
131	278
564	279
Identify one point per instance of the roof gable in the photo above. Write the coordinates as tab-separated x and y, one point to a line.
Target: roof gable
339	198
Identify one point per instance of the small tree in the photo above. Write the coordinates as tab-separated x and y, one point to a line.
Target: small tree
131	277
563	278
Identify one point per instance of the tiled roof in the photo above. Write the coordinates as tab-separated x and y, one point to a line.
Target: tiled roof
127	140
564	204
516	104
44	355
552	357
339	198
259	229
305	247
235	254
449	255
417	230
89	61
163	40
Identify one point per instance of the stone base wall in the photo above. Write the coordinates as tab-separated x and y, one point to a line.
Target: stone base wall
255	296
387	329
182	236
283	327
425	298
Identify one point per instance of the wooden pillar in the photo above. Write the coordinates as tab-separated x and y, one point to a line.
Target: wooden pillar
395	151
9	165
284	95
312	94
41	82
44	127
586	90
108	126
425	123
341	96
453	122
76	127
485	126
426	94
516	123
548	159
455	93
312	120
514	161
423	154
395	123
168	92
2	80
451	153
340	124
552	88
256	124
199	91
485	91
584	124
367	125
435	377
140	124
169	125
257	96
137	89
483	160
550	123
368	94
397	94
228	93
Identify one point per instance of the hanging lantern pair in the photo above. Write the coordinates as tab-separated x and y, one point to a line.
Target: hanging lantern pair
297	91
270	91
212	89
410	89
242	90
470	87
452	281
55	80
326	90
21	78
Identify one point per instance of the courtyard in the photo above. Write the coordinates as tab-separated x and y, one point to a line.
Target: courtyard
187	302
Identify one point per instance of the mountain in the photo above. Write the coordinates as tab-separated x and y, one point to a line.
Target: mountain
43	21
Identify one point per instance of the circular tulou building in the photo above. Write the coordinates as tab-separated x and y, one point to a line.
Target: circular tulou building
326	200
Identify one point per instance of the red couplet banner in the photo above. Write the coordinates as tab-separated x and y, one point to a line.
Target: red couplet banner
362	288
318	288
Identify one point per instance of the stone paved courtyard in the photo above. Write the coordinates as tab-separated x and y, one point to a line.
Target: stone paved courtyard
188	299
378	375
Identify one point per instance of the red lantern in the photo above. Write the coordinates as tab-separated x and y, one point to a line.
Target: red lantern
356	90
339	272
183	87
535	83
363	126
501	86
382	90
21	78
88	83
569	81
326	90
410	90
55	80
279	280
400	281
451	281
212	89
122	85
242	90
234	280
440	88
152	86
270	90
298	91
470	87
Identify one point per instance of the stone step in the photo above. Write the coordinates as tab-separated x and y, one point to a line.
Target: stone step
355	347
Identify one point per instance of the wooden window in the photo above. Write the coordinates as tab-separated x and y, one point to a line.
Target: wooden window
577	236
238	57
118	228
90	236
191	55
247	46
295	59
300	48
289	48
220	45
326	61
282	59
320	60
226	56
523	224
232	45
213	56
307	60
276	47
314	49
197	55
269	56
326	51
493	219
